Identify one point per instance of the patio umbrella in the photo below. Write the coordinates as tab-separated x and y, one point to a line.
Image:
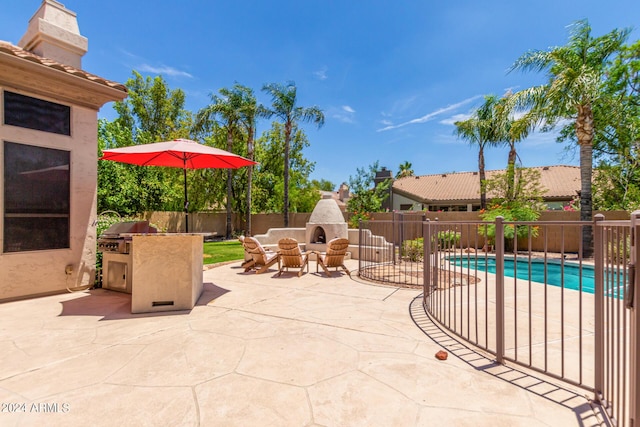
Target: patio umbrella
179	153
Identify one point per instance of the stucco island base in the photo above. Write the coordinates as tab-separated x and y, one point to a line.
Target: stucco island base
166	272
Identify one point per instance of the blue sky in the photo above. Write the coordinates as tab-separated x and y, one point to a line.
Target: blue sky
390	76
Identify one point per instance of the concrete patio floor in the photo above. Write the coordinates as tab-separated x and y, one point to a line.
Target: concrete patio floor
260	350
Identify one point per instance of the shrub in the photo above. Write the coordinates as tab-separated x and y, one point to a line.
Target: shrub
354	219
448	239
413	250
512	212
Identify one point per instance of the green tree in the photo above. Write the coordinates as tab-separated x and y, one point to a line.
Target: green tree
323	185
268	192
250	111
510	131
152	112
284	107
617	140
404	170
515	198
367	197
481	130
576	72
229	107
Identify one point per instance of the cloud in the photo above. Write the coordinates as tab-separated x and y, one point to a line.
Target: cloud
455	118
344	114
431	115
169	71
321	74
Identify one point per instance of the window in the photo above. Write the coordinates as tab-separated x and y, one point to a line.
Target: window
34	113
36	198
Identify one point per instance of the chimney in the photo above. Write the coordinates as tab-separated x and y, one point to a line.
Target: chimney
343	193
53	33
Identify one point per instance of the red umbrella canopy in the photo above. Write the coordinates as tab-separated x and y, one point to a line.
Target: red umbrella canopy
179	153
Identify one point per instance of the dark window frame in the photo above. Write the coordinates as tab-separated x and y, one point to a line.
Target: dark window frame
37	198
35	113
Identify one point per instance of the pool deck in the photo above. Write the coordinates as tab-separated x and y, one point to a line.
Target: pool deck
260	350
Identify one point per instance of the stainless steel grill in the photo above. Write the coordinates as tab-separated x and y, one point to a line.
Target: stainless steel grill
117	258
117	238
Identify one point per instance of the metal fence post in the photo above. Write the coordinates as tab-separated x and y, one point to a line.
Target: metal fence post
500	290
634	330
426	267
360	245
598	258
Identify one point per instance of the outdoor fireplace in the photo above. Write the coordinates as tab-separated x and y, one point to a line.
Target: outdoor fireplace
326	223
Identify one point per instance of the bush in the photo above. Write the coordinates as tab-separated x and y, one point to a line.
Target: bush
354	219
448	239
413	250
511	213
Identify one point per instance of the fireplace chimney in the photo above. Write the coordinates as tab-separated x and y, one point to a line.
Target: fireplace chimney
53	33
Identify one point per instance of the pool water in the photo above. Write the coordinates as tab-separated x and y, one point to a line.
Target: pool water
554	271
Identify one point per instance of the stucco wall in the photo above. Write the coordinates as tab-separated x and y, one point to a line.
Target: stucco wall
261	223
43	272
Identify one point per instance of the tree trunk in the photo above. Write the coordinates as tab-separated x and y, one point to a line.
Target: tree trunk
481	173
247	228
229	230
511	172
584	132
287	141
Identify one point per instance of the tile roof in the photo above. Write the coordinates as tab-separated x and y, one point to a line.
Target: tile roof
560	182
10	49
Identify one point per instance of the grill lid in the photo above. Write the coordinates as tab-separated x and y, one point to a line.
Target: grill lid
127	227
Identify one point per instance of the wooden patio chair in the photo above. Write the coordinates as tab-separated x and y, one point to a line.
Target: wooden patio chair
334	257
261	259
291	256
248	259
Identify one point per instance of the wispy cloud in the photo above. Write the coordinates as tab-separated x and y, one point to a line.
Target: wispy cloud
168	71
321	74
431	115
345	114
455	118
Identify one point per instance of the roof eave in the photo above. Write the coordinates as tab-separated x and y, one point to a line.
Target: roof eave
34	77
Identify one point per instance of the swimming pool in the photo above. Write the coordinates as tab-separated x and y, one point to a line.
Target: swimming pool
554	271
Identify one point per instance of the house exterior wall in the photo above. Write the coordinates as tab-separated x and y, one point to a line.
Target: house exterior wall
43	272
46	66
399	201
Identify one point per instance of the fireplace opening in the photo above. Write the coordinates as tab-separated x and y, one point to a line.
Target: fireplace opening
318	236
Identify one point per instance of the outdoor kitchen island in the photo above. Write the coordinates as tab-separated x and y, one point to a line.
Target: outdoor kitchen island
166	271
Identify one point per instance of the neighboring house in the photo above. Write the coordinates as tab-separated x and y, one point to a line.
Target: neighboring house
48	157
461	191
341	196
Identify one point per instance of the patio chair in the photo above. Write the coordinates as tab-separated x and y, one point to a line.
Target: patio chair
260	258
248	259
291	256
334	257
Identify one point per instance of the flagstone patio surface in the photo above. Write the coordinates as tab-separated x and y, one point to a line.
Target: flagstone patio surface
258	350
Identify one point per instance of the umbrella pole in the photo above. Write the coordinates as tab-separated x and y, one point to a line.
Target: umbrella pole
186	201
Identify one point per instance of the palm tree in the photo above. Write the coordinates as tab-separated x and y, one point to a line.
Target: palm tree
228	107
576	73
284	107
509	131
250	111
480	130
404	170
